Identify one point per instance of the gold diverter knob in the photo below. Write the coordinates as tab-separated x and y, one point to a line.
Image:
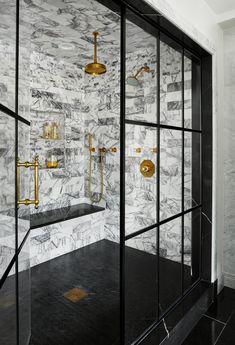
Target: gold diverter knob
147	168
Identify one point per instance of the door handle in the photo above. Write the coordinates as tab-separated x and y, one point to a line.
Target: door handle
26	164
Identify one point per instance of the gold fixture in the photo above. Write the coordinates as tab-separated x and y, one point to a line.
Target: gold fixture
35	201
113	149
138	150
102	149
95	68
154	150
147	168
133	80
101	172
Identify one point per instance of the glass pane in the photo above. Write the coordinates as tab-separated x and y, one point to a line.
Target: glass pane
7	191
24	294
140	284
192	170
141	66
7	52
170	172
170	85
140	188
8	310
192	235
192	90
25	41
170	239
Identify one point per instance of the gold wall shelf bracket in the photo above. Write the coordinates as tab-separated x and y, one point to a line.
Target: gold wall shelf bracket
26	164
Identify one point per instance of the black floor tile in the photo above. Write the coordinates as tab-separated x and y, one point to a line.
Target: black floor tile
228	335
224	305
206	332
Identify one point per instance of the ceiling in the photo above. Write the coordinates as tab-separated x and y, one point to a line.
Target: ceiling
221	6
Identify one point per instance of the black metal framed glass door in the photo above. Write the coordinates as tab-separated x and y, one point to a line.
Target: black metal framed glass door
15	224
161	176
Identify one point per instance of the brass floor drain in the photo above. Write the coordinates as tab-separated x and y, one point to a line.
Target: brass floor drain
75	295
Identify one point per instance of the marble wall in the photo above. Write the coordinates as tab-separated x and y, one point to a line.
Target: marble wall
229	158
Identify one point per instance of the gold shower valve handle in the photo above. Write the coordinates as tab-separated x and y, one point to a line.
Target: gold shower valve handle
92	149
113	149
27	164
147	168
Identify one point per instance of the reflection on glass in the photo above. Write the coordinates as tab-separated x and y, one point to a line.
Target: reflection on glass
192	99
170	236
170	86
24	294
24	155
192	226
141	83
192	170
170	172
140	190
7	52
8	310
187	92
7	191
140	284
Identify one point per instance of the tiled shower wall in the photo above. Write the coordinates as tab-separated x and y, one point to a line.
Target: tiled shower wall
88	104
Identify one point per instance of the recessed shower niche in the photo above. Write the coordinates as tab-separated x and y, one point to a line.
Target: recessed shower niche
113	101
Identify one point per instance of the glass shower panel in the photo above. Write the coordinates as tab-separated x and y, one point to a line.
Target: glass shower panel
7	191
192	90
8	310
170	244
7	52
192	169
141	308
24	290
141	68
192	236
170	172
141	156
170	85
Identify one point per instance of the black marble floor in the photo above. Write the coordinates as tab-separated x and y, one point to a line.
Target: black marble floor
94	320
217	325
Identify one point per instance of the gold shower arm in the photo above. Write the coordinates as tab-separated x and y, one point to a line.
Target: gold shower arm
26	164
143	68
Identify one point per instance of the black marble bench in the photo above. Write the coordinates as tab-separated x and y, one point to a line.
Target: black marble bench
37	220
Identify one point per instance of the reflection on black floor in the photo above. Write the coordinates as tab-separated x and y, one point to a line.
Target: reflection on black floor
94	320
217	326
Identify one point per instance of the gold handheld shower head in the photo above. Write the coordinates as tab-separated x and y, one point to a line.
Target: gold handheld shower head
95	68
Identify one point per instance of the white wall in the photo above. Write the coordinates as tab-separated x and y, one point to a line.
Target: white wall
229	157
197	20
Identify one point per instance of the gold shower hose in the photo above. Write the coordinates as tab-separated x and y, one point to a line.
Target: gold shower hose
94	200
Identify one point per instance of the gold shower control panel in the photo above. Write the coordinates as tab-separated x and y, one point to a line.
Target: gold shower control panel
35	201
147	168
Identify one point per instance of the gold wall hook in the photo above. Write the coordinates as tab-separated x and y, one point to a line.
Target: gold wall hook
27	164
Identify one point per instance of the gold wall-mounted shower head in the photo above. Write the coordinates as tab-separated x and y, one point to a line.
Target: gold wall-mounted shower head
133	79
95	68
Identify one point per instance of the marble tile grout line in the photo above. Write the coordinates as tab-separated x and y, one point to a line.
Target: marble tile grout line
220	334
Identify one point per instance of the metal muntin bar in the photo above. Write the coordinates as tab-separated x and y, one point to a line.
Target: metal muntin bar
164	221
156	125
182	180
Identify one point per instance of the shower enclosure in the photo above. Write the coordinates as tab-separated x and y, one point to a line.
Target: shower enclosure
150	115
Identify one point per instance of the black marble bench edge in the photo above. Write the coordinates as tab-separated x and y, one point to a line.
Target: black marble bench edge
60	219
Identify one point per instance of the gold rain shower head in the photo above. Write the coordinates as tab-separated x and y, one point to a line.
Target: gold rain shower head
133	80
95	68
